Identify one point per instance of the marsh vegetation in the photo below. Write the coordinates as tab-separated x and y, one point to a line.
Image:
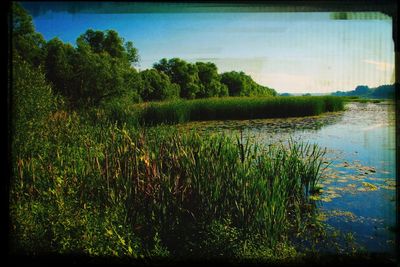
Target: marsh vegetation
98	167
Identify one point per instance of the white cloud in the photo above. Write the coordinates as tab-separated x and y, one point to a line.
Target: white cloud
380	65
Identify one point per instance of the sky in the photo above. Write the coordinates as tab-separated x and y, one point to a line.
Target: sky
291	52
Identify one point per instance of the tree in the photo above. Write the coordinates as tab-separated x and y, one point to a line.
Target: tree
99	68
109	42
113	44
182	73
95	39
240	84
58	66
97	76
361	90
157	86
131	52
26	43
235	82
285	94
210	80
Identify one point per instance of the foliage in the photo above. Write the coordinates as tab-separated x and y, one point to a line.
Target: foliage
240	84
148	193
182	73
157	86
210	81
202	80
32	101
26	43
83	182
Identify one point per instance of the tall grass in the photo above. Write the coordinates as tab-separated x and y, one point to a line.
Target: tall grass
110	191
237	108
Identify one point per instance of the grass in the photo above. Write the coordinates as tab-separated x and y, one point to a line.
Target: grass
145	193
236	108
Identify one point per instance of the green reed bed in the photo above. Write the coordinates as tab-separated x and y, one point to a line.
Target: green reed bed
156	193
230	108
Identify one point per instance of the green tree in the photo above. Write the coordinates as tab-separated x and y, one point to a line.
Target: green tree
157	86
109	41
182	73
210	80
95	39
240	84
98	76
131	52
26	43
59	67
235	82
98	69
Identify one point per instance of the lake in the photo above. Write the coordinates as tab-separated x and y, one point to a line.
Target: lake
359	180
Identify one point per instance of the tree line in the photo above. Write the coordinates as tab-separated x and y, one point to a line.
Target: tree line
383	91
101	67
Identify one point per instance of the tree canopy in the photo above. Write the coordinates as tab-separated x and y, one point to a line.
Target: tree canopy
240	84
100	67
201	80
156	85
26	42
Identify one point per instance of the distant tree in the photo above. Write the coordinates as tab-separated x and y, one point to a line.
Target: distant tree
339	93
361	90
285	94
306	94
157	86
383	91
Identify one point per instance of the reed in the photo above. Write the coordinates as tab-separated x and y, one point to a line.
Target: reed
230	108
153	191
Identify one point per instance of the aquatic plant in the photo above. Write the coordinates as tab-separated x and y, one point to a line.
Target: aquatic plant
236	108
153	192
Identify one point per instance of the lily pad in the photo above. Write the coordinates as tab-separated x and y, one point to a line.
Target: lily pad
369	186
388	187
334	195
315	197
341	213
326	199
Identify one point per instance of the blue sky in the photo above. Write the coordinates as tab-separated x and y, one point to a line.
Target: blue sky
291	52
